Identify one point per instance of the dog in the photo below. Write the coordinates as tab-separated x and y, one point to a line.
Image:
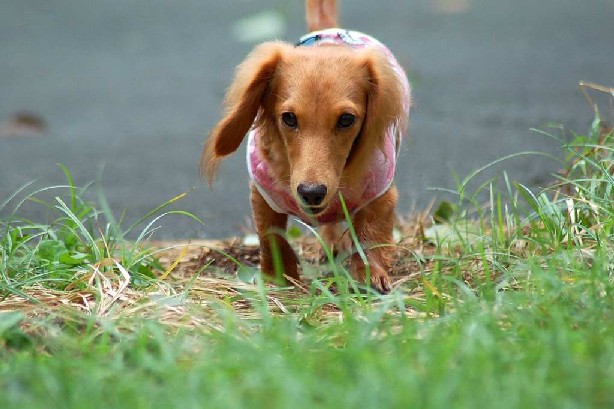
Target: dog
324	120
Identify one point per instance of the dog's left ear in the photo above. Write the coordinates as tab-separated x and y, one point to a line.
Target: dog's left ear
384	98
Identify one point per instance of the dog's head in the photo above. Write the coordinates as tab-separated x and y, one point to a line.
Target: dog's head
322	111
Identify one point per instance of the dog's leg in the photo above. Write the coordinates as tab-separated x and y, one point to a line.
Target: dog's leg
271	226
337	238
374	225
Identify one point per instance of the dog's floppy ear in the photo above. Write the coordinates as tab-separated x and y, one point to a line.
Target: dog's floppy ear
243	100
384	99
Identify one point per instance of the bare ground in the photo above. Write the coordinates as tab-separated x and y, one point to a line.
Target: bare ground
202	280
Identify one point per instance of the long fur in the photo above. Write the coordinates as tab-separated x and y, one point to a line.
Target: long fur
382	105
243	100
318	84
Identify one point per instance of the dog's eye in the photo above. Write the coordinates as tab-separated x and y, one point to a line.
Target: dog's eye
289	119
345	121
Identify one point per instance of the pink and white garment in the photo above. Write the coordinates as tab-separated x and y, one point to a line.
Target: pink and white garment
381	172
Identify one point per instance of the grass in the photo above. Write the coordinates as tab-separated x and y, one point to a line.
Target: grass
503	304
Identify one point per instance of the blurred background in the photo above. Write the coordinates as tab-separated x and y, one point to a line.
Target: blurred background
123	92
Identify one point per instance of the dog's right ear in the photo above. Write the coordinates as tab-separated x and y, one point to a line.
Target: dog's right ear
243	100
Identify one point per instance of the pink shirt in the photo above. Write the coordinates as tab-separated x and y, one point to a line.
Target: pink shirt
381	171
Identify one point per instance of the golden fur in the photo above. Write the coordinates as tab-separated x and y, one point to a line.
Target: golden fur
318	85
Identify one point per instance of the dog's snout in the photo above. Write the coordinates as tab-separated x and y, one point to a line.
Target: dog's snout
311	194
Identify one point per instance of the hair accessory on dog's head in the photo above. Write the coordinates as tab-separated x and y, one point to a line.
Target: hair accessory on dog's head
308	40
332	36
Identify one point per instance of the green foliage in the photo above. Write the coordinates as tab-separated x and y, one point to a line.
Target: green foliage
548	345
81	238
510	306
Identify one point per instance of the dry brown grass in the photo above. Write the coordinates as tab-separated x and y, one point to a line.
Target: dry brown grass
200	284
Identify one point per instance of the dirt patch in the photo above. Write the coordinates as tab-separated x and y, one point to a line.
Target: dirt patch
202	276
212	258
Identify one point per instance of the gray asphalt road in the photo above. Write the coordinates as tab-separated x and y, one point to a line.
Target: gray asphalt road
133	87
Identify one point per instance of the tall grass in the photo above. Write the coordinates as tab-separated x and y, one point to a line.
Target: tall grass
509	305
81	236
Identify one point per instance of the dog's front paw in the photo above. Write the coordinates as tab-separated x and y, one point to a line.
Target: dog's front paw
380	280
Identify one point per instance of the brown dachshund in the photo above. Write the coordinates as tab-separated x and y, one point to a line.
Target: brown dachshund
324	120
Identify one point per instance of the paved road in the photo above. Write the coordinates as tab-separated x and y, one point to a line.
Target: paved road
134	86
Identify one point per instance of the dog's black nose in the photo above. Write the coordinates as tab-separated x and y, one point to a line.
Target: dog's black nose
311	194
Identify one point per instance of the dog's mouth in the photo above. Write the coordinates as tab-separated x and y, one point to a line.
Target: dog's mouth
314	210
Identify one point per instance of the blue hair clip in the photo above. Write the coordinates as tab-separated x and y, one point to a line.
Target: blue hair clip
308	40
